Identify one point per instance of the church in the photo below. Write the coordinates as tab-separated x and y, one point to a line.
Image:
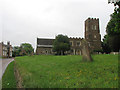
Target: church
92	36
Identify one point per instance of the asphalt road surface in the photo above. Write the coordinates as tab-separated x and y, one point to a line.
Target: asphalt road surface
3	65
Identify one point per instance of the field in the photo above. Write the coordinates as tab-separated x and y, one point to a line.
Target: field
68	71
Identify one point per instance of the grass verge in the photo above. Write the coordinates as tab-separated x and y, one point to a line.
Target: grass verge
8	79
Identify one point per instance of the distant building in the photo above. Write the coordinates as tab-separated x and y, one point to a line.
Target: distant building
92	36
5	50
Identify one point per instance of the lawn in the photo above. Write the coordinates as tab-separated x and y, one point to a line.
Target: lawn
68	71
8	79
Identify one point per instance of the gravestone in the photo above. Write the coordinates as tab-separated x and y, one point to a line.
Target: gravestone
86	56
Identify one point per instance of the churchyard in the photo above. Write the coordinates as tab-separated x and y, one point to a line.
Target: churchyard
41	71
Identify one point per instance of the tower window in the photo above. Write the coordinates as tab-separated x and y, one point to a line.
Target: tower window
89	44
86	28
90	36
94	36
92	27
95	27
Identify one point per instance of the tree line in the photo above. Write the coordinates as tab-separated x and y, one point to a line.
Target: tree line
24	49
111	41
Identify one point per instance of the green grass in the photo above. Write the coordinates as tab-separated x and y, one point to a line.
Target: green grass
68	71
8	79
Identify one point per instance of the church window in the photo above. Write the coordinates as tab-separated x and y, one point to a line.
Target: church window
92	27
46	51
71	43
94	36
78	43
86	28
95	27
89	44
90	36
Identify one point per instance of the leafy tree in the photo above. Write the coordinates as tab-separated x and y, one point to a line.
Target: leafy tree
26	49
113	30
61	44
16	51
105	46
114	43
113	27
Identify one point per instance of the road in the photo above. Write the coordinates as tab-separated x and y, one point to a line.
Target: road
3	65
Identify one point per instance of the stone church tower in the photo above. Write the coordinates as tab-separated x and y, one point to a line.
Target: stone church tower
92	33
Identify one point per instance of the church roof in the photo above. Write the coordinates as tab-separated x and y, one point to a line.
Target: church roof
42	41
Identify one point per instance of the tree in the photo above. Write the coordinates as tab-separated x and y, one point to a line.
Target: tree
61	44
16	51
105	46
113	27
113	30
26	49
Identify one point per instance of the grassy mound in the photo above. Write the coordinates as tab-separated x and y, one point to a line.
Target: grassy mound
68	71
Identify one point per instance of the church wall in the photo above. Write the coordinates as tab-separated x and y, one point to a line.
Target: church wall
44	51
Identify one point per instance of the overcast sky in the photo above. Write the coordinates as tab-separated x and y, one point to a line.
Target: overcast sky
24	20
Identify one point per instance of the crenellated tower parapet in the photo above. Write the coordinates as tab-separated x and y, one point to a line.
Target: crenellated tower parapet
92	33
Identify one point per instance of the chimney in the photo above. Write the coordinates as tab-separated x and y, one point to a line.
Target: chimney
2	43
8	43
